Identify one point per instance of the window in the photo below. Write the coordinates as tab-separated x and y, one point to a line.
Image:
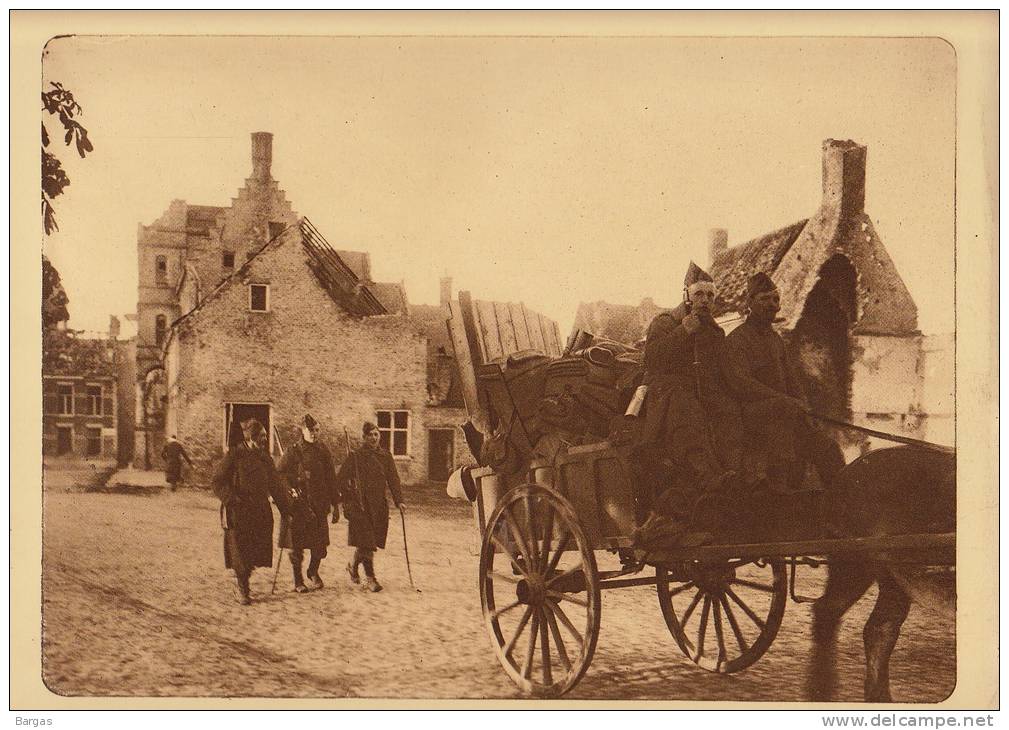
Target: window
228	260
93	401
65	406
276	229
161	269
394	429
94	442
259	297
160	325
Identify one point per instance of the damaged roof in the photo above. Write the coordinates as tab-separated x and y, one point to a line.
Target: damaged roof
733	267
201	218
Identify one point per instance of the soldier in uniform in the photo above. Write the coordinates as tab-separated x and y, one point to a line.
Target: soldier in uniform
307	467
691	439
779	439
244	482
361	483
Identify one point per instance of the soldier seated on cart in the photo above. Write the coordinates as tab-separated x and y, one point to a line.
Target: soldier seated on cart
723	416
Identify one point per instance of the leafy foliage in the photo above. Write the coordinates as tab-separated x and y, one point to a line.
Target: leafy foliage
59	102
54	298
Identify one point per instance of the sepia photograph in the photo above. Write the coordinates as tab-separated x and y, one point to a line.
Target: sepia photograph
507	366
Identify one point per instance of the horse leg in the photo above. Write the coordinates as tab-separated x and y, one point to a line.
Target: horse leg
880	636
846	583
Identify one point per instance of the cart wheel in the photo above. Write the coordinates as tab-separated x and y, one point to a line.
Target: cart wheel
741	606
539	590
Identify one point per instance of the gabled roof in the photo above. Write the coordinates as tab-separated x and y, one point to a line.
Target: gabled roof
442	368
359	262
733	267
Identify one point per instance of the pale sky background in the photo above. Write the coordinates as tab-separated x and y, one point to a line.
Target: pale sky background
549	171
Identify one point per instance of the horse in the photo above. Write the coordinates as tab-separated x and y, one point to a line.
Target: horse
892	491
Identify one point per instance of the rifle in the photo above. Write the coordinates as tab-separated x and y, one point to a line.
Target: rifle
280	555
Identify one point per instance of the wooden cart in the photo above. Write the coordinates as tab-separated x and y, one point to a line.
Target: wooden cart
540	587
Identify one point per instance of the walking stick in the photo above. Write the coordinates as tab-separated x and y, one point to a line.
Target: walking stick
406	552
280	555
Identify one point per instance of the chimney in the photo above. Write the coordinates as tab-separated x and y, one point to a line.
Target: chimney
718	241
843	176
446	290
262	155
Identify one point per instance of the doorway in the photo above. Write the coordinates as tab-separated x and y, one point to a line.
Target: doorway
64	440
235	413
440	453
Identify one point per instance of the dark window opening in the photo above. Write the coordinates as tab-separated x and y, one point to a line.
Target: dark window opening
161	269
276	229
259	297
160	325
228	260
64	440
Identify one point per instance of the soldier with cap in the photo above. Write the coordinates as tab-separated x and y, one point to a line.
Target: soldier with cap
307	468
779	439
362	482
244	482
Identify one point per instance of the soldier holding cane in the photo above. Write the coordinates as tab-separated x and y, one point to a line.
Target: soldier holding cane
361	484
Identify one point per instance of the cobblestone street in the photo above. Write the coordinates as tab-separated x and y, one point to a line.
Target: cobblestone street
137	603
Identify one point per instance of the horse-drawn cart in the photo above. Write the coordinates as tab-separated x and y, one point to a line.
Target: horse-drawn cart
543	524
540	586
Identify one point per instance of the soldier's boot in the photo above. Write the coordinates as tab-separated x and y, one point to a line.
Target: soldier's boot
244	594
313	573
299	581
369	572
355	578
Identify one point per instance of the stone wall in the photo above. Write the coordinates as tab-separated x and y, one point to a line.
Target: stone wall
304	355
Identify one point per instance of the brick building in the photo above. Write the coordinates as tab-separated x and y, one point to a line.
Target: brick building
247	310
79	396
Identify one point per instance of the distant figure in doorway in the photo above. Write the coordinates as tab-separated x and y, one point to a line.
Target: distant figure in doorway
361	483
307	467
173	454
244	482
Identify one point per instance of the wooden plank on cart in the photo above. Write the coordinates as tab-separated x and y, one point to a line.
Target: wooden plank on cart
518	320
488	330
929	543
466	363
506	329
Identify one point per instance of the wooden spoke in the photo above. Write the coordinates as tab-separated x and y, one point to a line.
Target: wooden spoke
703	630
527	665
547	536
534	548
746	609
545	648
679	589
511	556
565	574
509	517
751	584
717	620
743	646
505	577
558	642
691	607
563	618
569	597
557	555
518	631
509	607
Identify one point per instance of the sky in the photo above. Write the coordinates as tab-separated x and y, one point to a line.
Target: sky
544	170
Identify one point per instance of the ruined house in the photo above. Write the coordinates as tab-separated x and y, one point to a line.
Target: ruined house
846	313
248	311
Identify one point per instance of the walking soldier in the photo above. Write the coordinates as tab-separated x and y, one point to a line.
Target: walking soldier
244	482
307	468
362	481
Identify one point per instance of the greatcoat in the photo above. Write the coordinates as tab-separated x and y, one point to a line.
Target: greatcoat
361	483
173	454
307	469
244	482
